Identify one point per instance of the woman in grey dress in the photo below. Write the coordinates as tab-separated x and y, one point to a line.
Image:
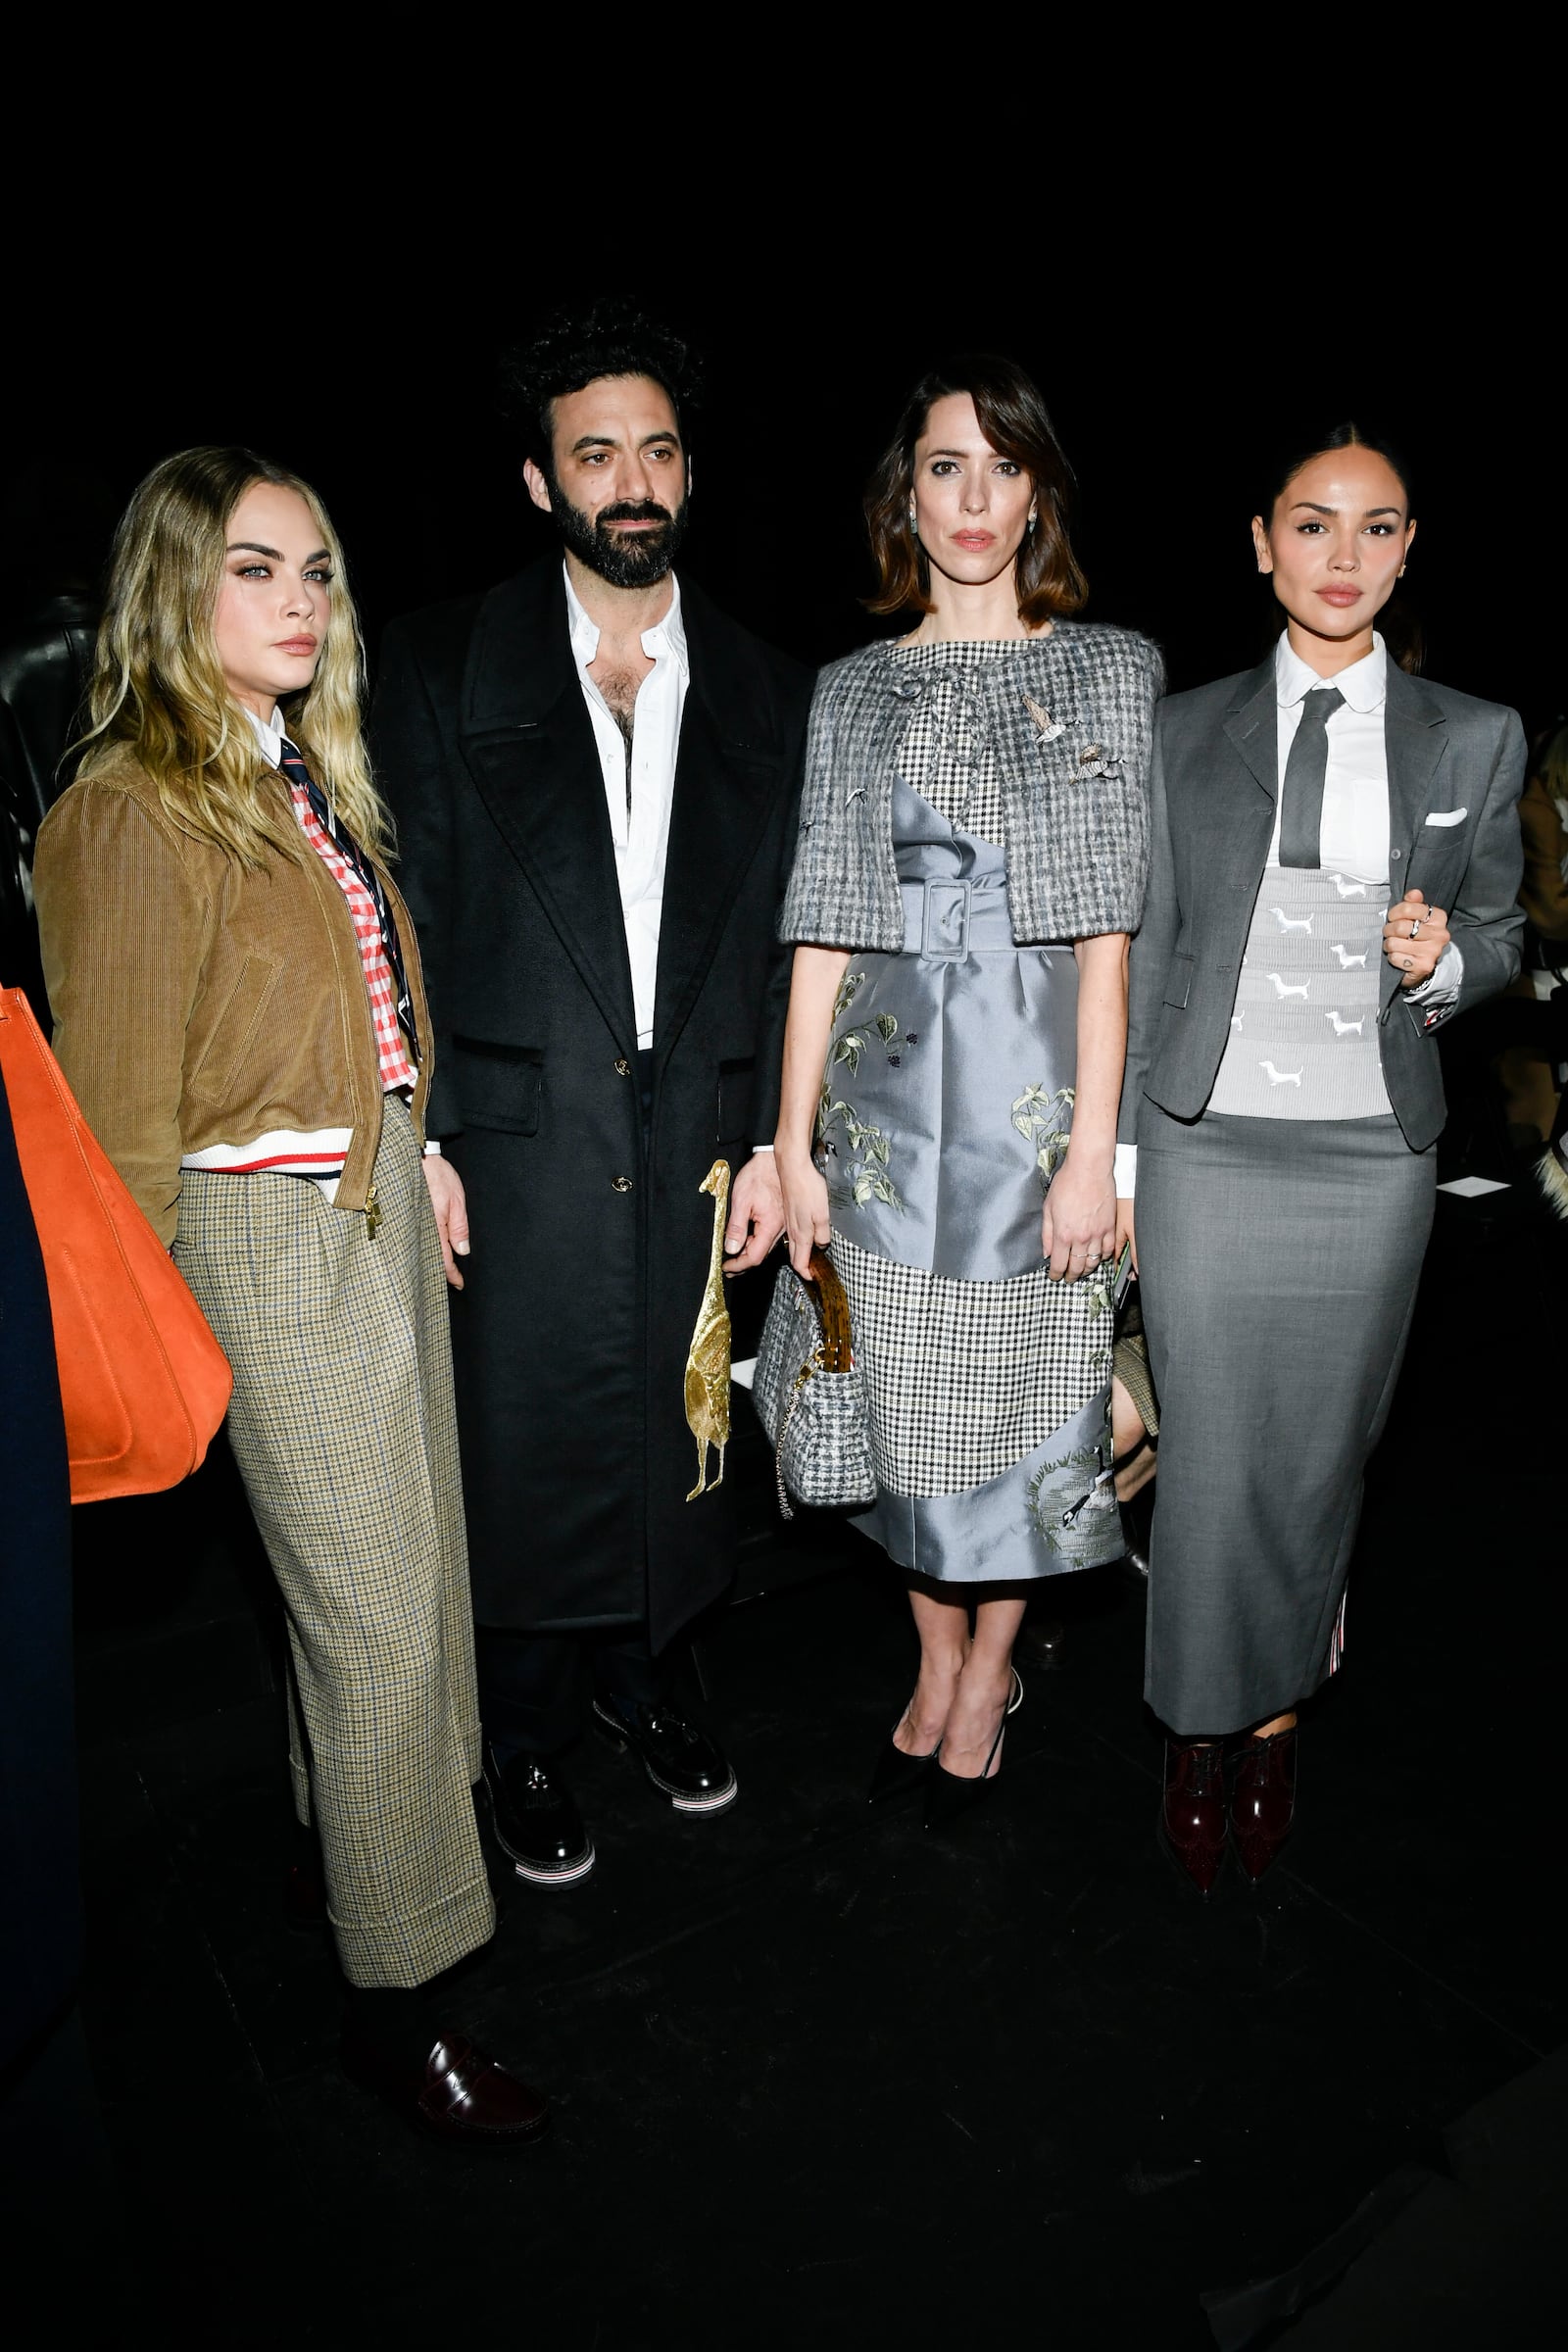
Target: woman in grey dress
1314	821
971	860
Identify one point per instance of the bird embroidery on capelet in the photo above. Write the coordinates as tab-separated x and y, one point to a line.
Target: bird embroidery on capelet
707	1358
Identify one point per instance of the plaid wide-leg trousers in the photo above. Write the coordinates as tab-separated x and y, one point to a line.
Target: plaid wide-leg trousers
343	1427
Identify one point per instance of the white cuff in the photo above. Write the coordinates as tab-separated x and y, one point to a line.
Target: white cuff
432	1150
1126	1170
756	1148
1440	987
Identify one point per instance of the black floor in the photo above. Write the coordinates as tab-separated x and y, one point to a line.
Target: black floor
817	2078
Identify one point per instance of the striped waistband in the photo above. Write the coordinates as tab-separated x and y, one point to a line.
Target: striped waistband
286	1151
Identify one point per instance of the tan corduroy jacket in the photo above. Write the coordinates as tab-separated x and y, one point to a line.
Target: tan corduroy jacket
198	1004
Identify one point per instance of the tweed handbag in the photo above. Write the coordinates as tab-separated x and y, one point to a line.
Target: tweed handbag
809	1393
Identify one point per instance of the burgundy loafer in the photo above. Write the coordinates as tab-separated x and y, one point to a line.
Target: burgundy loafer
1262	1799
459	2094
1192	1814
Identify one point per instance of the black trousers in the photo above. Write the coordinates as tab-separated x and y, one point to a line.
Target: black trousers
534	1688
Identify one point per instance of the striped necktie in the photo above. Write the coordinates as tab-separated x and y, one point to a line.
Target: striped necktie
292	764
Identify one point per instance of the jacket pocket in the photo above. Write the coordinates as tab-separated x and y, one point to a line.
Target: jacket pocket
1178	981
225	1048
737	1082
497	1086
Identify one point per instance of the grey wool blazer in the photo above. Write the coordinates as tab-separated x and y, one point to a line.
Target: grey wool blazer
1455	773
1072	721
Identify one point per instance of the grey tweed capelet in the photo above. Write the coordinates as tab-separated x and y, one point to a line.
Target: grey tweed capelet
1071	719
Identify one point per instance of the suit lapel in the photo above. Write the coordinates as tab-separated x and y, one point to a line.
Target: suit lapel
726	774
1252	726
1416	738
528	744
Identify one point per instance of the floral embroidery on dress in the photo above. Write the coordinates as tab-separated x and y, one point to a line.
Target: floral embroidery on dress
1045	1122
865	1177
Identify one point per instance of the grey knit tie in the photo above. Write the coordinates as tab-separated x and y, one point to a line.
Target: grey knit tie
1302	801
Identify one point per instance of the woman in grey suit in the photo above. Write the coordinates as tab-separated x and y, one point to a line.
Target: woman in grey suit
971	860
1335	859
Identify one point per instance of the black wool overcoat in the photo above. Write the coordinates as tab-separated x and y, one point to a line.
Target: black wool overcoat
589	1253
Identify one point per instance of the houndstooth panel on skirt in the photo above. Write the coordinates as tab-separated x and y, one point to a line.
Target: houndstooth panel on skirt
343	1426
965	1378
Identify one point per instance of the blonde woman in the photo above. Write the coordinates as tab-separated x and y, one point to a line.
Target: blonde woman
238	1007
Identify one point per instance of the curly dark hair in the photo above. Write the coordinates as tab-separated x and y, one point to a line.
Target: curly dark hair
609	336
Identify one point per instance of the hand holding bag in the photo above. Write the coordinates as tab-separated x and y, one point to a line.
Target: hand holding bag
143	1380
809	1393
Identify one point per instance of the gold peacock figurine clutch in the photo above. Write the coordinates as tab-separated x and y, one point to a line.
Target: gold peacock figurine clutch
707	1358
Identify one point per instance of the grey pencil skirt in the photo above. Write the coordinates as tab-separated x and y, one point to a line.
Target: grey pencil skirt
342	1424
1279	1261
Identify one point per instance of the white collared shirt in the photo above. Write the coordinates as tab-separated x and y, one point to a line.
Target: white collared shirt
1354	831
270	734
1354	836
641	830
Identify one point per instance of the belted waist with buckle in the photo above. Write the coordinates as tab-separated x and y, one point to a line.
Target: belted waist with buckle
951	920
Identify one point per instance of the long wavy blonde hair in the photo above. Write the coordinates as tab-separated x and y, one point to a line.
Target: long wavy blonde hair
158	687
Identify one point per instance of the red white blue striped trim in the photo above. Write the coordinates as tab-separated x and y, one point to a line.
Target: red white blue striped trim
283	1153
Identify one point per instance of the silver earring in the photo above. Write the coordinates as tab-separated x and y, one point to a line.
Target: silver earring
1033	520
1401	572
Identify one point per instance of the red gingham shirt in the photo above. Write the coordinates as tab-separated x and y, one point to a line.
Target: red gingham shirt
392	1047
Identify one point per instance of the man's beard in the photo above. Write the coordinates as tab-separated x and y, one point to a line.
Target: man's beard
635	559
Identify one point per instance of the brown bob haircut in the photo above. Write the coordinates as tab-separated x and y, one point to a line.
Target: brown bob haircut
1013	419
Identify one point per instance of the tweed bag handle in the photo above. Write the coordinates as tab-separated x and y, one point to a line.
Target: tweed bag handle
833	1313
809	1395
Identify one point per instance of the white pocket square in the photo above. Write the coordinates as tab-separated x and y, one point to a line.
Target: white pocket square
1447	816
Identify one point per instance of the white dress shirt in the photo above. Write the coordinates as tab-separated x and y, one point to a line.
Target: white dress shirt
640	831
1354	834
271	735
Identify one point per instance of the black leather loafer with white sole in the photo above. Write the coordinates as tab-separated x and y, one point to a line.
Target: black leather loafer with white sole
537	1825
684	1764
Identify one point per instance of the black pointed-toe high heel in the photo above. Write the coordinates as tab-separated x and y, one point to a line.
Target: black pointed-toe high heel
899	1773
946	1795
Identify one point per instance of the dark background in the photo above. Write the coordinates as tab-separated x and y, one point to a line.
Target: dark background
1176	366
816	2078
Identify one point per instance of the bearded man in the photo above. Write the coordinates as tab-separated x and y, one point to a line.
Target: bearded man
595	775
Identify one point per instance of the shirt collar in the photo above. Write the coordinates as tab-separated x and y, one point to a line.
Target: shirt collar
665	637
1364	685
270	734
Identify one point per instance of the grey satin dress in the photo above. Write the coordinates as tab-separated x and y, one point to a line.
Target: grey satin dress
947	1105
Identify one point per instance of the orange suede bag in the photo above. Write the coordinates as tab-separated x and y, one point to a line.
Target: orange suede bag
143	1382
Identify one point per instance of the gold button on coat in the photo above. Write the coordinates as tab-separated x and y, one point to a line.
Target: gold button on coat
620	1184
622	1066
